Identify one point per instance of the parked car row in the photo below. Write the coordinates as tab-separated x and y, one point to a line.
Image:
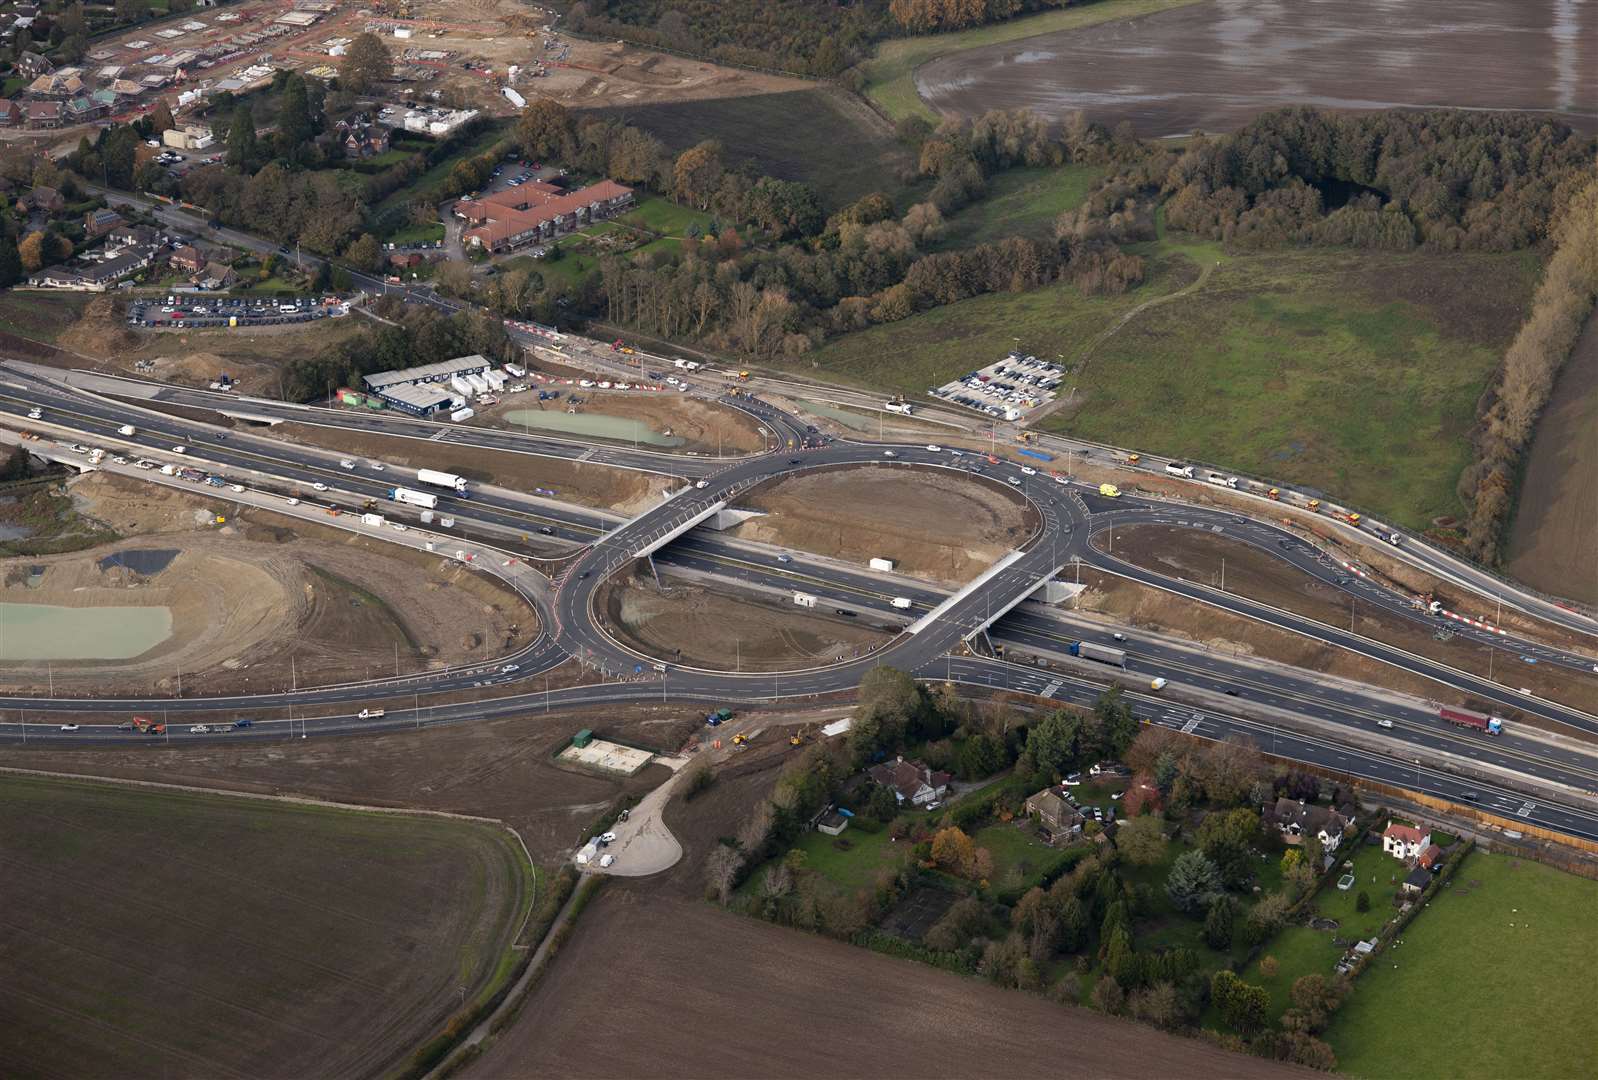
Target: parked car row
221	311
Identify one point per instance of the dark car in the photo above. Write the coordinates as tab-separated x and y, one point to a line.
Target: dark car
582	575
843	611
545	530
796	461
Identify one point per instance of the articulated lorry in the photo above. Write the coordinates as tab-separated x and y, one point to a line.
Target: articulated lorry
1102	653
411	497
1469	718
457	484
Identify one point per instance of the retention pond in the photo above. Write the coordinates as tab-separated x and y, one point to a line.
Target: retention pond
47	632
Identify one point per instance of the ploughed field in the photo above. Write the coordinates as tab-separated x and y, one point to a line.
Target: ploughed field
167	933
1213	66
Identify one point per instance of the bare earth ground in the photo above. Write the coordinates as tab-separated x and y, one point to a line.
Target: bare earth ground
253	357
705	993
620	490
1553	544
1255	574
594	74
701	627
939	525
178	934
1212	67
706	427
247	595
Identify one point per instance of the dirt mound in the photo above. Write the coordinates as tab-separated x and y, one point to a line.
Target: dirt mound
943	525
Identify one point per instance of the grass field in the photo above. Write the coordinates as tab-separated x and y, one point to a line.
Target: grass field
1504	954
171	933
40	315
664	216
1353	373
1020	202
1020	861
821	136
890	81
427	233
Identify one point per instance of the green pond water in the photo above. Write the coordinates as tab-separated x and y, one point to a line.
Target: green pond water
597	425
47	632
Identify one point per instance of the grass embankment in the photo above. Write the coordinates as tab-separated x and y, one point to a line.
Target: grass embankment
890	75
1503	953
41	316
160	931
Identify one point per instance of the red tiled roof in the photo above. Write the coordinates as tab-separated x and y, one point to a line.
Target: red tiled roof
518	210
1407	833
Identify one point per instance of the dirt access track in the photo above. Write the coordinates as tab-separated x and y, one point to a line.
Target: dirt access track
706	993
1214	66
702	627
705	428
1251	572
247	595
162	933
940	525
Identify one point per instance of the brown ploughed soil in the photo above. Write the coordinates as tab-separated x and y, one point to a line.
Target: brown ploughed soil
1553	544
248	595
159	933
697	626
1213	67
939	525
706	993
1253	573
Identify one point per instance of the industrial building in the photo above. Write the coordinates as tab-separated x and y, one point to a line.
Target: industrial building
417	390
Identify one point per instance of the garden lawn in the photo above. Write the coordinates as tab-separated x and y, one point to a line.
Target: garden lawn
890	81
1020	202
1020	860
427	233
856	867
1505	954
663	216
1353	373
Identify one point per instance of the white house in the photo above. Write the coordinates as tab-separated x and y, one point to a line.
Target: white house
912	782
1405	842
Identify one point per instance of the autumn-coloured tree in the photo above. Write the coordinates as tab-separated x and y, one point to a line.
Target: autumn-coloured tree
31	251
696	174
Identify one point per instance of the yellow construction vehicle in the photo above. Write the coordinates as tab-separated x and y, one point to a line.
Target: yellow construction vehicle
740	739
796	739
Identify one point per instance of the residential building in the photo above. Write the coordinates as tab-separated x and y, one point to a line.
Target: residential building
1404	842
188	259
912	782
10	113
100	222
46	200
1297	819
95	277
360	138
509	219
188	137
123	235
1059	818
43	115
215	276
30	65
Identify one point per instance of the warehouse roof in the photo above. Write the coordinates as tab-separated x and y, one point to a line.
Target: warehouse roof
419	395
427	372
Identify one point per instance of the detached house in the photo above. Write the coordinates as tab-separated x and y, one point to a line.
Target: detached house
43	115
912	782
1405	842
1297	820
1058	817
30	65
100	222
362	139
187	259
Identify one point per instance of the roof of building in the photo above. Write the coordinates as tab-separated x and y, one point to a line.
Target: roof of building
1431	856
908	777
1308	816
189	254
40	110
418	395
1409	834
517	210
1418	878
427	372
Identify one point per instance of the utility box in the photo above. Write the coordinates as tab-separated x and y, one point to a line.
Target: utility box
881	564
583	738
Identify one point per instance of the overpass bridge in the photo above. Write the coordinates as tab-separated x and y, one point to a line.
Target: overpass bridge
1005	584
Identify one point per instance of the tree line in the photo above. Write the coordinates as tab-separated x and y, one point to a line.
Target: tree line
1561	307
1443	180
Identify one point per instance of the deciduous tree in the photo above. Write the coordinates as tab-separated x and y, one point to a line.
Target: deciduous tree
366	63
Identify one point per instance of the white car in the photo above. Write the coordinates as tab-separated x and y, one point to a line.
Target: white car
294	502
508	668
609	837
607	859
1027	470
1061	479
702	483
377	466
180	449
69	727
585	382
200	729
1384	723
889	453
399	526
935	448
346	464
1014	482
319	486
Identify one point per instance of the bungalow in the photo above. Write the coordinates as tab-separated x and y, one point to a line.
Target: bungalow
187	259
1054	814
1297	820
912	782
100	222
57	277
94	278
43	115
10	113
1404	842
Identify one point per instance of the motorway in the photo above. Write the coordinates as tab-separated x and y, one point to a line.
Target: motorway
1073	521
